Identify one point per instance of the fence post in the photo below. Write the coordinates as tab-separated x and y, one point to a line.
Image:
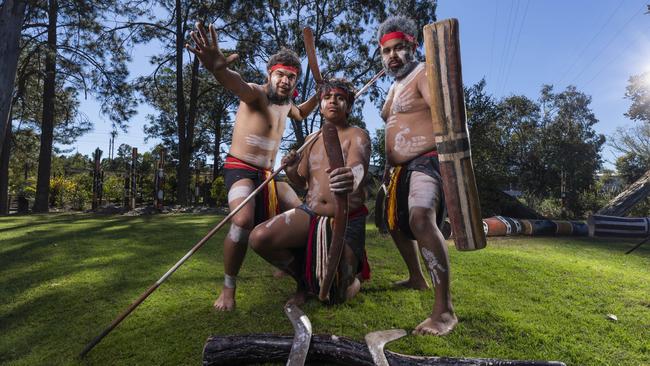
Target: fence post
97	180
133	190
159	180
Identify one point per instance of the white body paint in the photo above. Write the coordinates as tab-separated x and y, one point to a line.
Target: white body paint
363	146
432	265
258	160
358	173
237	192
229	281
286	215
314	189
424	191
316	160
238	234
261	142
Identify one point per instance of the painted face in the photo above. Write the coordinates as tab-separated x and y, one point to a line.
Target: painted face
282	82
397	57
334	105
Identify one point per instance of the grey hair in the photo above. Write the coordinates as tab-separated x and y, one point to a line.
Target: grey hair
397	23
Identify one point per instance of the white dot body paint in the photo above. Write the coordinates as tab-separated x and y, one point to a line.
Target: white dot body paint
261	142
238	192
432	265
358	173
238	234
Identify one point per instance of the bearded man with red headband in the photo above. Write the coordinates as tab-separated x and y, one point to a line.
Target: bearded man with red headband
296	241
415	206
259	125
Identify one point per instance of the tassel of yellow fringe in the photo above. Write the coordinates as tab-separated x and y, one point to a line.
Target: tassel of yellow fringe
392	198
272	204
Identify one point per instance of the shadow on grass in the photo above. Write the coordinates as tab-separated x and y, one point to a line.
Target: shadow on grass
97	266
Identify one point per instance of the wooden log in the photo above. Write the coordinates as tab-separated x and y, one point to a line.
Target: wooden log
501	226
624	202
538	227
326	349
442	48
618	227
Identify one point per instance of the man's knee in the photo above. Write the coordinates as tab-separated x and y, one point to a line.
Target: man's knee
244	221
258	238
422	220
238	234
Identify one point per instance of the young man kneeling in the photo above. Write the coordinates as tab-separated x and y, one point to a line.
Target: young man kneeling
297	240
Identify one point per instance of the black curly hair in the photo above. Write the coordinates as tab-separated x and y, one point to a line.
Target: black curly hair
286	57
338	83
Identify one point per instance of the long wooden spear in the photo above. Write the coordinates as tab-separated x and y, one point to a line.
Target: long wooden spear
198	245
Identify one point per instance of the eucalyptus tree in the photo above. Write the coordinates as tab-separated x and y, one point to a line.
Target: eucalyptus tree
344	34
12	14
79	52
569	145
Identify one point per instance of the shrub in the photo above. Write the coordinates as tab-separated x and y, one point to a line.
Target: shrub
218	191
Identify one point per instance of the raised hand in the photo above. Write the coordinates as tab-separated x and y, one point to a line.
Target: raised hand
207	49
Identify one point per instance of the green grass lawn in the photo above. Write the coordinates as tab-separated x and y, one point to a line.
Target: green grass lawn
63	278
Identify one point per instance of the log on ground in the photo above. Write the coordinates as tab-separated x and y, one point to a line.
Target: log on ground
326	349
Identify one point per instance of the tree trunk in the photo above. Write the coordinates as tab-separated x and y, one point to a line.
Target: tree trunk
191	113
12	14
217	152
328	350
624	202
47	125
183	177
4	171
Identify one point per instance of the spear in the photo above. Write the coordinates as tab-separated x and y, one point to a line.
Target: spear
196	247
200	243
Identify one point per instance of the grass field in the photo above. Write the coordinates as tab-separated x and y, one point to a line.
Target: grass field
63	278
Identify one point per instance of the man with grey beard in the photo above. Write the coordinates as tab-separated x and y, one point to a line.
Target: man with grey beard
415	205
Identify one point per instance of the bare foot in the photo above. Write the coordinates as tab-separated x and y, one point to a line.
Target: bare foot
226	301
279	273
413	284
353	289
298	298
437	324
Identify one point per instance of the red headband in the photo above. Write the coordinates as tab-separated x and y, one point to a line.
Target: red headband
392	35
286	67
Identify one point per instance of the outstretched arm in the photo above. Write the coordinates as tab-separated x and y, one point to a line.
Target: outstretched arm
207	50
302	111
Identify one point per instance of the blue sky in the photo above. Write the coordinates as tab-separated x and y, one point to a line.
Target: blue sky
517	45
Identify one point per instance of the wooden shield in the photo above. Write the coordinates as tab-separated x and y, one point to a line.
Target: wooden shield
442	48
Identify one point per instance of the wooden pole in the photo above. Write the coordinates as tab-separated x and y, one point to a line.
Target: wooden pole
442	48
133	188
97	179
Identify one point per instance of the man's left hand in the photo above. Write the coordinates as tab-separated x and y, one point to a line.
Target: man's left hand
341	180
